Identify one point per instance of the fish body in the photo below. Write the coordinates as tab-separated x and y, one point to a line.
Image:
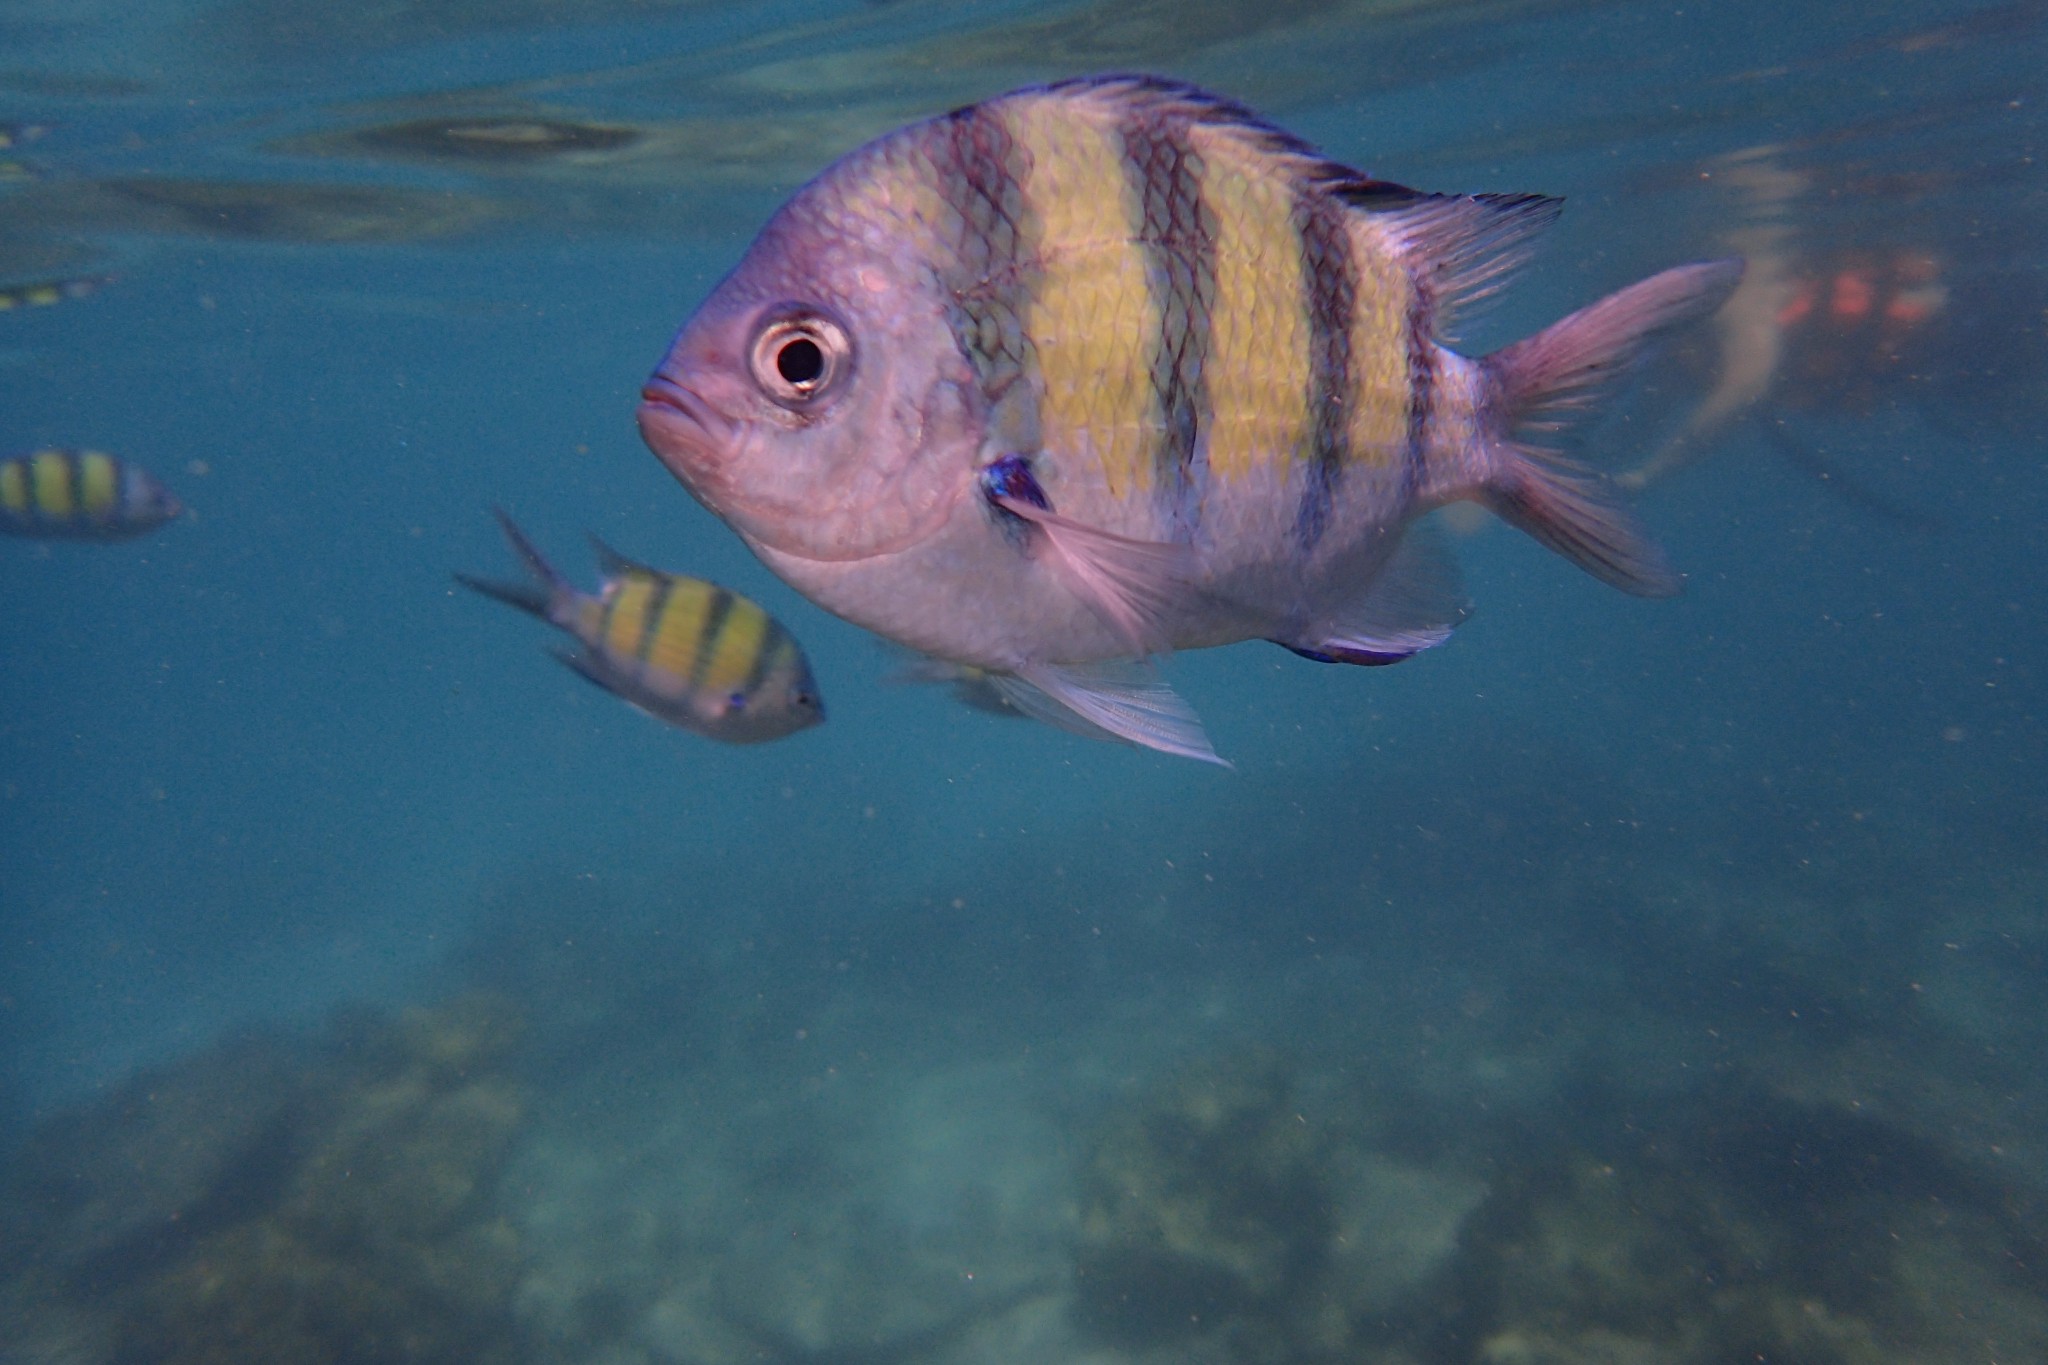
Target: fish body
1098	370
48	293
683	650
80	495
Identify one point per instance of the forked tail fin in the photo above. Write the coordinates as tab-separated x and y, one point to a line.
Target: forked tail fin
1541	382
536	596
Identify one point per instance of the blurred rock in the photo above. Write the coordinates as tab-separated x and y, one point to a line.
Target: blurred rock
1217	1215
319	1200
1732	1224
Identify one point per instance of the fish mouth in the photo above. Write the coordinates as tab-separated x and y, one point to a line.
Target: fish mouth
681	427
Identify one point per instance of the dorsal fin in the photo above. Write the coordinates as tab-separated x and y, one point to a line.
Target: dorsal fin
1172	99
1462	248
612	564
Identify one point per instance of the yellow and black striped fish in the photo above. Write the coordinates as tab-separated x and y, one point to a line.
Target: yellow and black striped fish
681	649
47	293
1097	370
80	495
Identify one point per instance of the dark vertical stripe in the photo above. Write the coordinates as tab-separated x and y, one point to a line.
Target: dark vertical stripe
127	497
1329	285
773	640
715	612
982	167
1179	240
1421	393
651	622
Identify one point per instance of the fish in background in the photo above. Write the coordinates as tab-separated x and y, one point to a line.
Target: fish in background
683	650
81	495
1098	370
14	135
48	293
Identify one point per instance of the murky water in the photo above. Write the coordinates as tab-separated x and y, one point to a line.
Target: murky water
1622	981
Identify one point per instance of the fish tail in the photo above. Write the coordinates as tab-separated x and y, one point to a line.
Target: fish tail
539	595
1540	383
525	596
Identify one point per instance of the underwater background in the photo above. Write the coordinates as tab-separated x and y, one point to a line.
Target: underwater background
1622	982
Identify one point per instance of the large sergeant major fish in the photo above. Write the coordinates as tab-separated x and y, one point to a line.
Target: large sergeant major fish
1110	367
80	495
683	650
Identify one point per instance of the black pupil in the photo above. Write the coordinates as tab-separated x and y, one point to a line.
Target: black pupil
800	362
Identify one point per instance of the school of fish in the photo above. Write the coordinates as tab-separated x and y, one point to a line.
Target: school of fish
1092	371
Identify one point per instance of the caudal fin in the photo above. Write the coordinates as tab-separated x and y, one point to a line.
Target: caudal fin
537	596
1541	382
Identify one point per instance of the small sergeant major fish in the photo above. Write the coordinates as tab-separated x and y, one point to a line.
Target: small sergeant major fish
681	649
1097	370
80	495
47	293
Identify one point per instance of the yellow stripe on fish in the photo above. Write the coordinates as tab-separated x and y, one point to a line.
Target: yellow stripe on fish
1190	314
99	482
1089	296
625	615
81	495
1389	357
740	641
668	655
49	474
1260	325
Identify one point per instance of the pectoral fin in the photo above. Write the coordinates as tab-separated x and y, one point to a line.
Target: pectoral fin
1131	584
1124	701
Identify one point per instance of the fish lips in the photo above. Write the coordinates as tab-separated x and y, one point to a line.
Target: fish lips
690	436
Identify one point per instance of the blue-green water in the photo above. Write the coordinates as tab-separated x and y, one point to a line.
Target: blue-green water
1622	981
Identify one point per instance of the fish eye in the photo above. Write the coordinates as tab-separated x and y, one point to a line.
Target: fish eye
800	354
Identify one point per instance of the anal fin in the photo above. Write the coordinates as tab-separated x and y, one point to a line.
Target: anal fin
1121	700
1411	603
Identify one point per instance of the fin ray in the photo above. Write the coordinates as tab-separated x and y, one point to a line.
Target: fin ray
611	563
1462	249
528	597
1125	700
1540	381
1130	584
529	554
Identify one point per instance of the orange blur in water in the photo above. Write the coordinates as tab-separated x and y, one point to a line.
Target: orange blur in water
1851	323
